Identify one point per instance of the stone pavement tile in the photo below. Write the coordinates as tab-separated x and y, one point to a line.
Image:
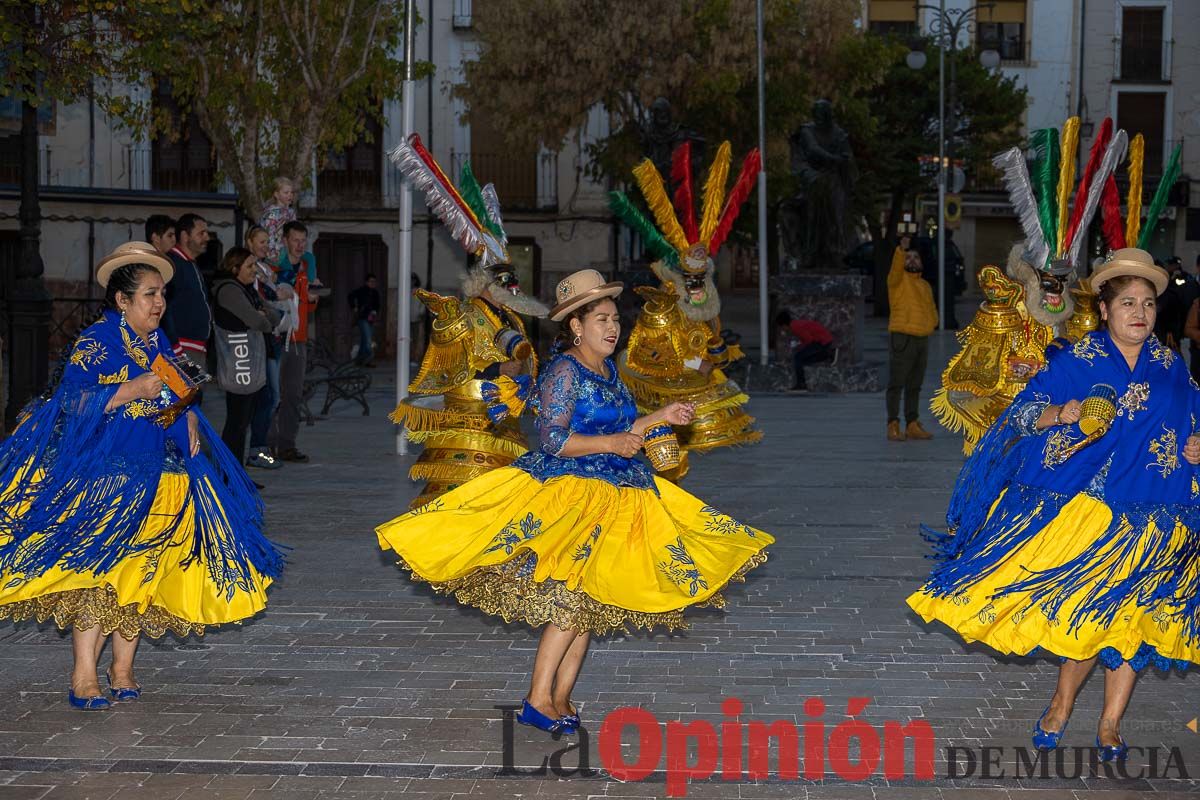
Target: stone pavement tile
25	791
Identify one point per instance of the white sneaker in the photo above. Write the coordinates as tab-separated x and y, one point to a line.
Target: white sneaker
263	460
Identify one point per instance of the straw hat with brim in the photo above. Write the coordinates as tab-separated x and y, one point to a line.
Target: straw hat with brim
579	289
133	253
1130	261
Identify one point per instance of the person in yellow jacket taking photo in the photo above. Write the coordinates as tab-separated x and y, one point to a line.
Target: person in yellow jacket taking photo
913	317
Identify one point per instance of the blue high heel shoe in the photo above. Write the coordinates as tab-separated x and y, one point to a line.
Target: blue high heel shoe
1046	740
96	703
122	694
1112	752
528	715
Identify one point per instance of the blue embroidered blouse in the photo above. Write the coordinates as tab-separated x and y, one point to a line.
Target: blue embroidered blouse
574	399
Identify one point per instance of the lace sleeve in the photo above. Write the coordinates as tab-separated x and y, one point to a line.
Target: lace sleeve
557	399
1026	415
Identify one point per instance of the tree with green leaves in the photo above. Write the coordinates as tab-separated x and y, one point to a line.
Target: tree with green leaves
277	85
895	122
701	55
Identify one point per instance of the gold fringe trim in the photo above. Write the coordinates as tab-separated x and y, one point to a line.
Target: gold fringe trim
740	439
419	422
84	609
653	395
506	591
449	473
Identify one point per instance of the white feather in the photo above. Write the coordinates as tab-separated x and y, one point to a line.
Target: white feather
438	197
1011	164
1112	157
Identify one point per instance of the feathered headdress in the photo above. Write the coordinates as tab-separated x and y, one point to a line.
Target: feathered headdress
679	238
472	215
1131	231
1054	228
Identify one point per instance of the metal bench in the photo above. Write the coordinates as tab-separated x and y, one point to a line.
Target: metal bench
345	381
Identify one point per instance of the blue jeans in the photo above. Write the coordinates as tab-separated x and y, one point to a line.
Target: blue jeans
366	343
264	407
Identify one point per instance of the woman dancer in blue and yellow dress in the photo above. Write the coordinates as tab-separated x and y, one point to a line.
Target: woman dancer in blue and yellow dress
576	535
111	519
1076	538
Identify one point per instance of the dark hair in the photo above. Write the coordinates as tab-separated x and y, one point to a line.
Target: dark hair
783	317
234	259
158	225
1114	286
294	225
566	336
186	224
125	280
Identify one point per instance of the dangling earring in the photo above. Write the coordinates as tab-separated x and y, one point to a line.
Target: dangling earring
576	341
123	319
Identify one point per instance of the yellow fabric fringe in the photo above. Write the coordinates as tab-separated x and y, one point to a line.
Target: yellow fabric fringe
714	192
1133	216
420	422
655	192
1066	178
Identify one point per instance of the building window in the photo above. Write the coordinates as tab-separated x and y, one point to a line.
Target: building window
353	177
187	163
1006	38
1142	44
513	171
1145	113
892	18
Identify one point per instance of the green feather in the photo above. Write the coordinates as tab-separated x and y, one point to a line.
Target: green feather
470	190
1045	182
624	209
1160	198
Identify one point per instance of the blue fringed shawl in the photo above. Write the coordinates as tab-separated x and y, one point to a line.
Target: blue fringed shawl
1137	470
77	482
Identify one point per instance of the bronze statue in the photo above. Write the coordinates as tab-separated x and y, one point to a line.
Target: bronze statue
661	135
815	223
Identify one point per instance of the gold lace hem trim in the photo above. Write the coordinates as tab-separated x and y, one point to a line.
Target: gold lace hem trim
508	590
84	609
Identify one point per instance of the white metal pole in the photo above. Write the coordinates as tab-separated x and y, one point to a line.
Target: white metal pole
941	238
763	331
404	273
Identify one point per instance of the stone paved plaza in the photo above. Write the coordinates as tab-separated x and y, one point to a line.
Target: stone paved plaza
357	684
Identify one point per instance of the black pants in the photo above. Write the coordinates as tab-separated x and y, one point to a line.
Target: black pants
239	410
811	353
908	357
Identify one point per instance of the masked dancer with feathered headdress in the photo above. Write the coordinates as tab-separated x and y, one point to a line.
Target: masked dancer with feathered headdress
475	338
675	351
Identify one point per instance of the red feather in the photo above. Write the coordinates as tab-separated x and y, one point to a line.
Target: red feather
1112	225
737	196
1089	172
681	176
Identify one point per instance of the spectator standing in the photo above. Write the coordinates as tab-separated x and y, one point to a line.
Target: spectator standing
244	324
278	213
1173	305
365	303
297	269
810	342
160	232
913	317
187	320
276	297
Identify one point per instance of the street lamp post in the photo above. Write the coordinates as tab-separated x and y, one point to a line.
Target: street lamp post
946	26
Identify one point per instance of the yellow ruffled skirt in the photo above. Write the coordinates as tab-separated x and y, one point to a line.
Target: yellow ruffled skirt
1011	623
578	552
149	592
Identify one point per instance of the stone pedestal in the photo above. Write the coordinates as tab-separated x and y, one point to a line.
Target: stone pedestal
835	301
